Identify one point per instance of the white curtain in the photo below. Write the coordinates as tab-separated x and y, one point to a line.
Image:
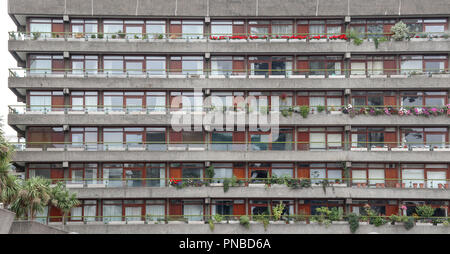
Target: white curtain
335	141
360	175
375	67
282	172
193	212
133	213
411	176
90	213
376	176
112	210
434	178
43	216
317	140
411	66
155	211
358	68
222	173
334	175
76	213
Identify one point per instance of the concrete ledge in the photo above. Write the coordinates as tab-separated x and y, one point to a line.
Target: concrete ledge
33	227
232	156
293	82
272	192
21	47
256	228
166	119
6	220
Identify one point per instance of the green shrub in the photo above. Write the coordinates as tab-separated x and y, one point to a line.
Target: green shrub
353	221
379	221
304	111
218	217
400	31
278	211
336	214
409	223
245	221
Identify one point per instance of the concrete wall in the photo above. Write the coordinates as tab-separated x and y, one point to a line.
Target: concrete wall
224	8
260	192
225	156
229	84
254	229
33	227
59	46
6	220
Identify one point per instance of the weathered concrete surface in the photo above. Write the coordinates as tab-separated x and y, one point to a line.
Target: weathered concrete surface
39	46
166	120
21	84
261	192
227	8
254	229
6	220
33	227
231	156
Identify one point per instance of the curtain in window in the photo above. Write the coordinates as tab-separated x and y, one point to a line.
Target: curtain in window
434	178
90	213
282	29
112	212
335	141
376	176
133	213
317	29
112	177
75	213
40	103
222	173
375	67
317	141
282	172
359	176
411	176
335	175
316	101
193	212
155	212
41	217
358	68
409	66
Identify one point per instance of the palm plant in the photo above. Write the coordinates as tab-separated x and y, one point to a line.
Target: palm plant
33	197
63	200
8	183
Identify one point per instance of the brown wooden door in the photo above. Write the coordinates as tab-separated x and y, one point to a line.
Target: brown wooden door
303	141
238	141
302	67
238	209
390	139
175	31
390	100
238	30
302	100
58	66
56	174
175	208
239	173
389	67
57	103
391	209
175	67
238	67
302	29
391	173
39	137
303	173
176	173
57	30
175	138
55	214
387	30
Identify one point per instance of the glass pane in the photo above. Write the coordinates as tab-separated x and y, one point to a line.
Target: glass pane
113	177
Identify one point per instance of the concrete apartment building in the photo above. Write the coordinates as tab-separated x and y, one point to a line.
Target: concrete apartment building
98	79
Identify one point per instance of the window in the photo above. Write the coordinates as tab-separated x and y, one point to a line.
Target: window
134	172
134	65
156	139
431	26
319	27
321	171
47	171
191	29
155	29
84	101
113	175
268	141
372	65
320	65
155	209
418	64
419	98
113	101
46	28
86	138
222	207
314	204
412	175
259	207
330	138
227	28
84	173
113	138
113	65
228	141
420	137
227	65
84	26
372	28
318	101
134	137
186	101
86	211
112	28
156	65
266	65
187	171
84	64
436	175
134	101
46	64
40	101
112	210
222	171
259	172
373	137
45	137
374	98
186	65
193	210
134	29
155	174
371	174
